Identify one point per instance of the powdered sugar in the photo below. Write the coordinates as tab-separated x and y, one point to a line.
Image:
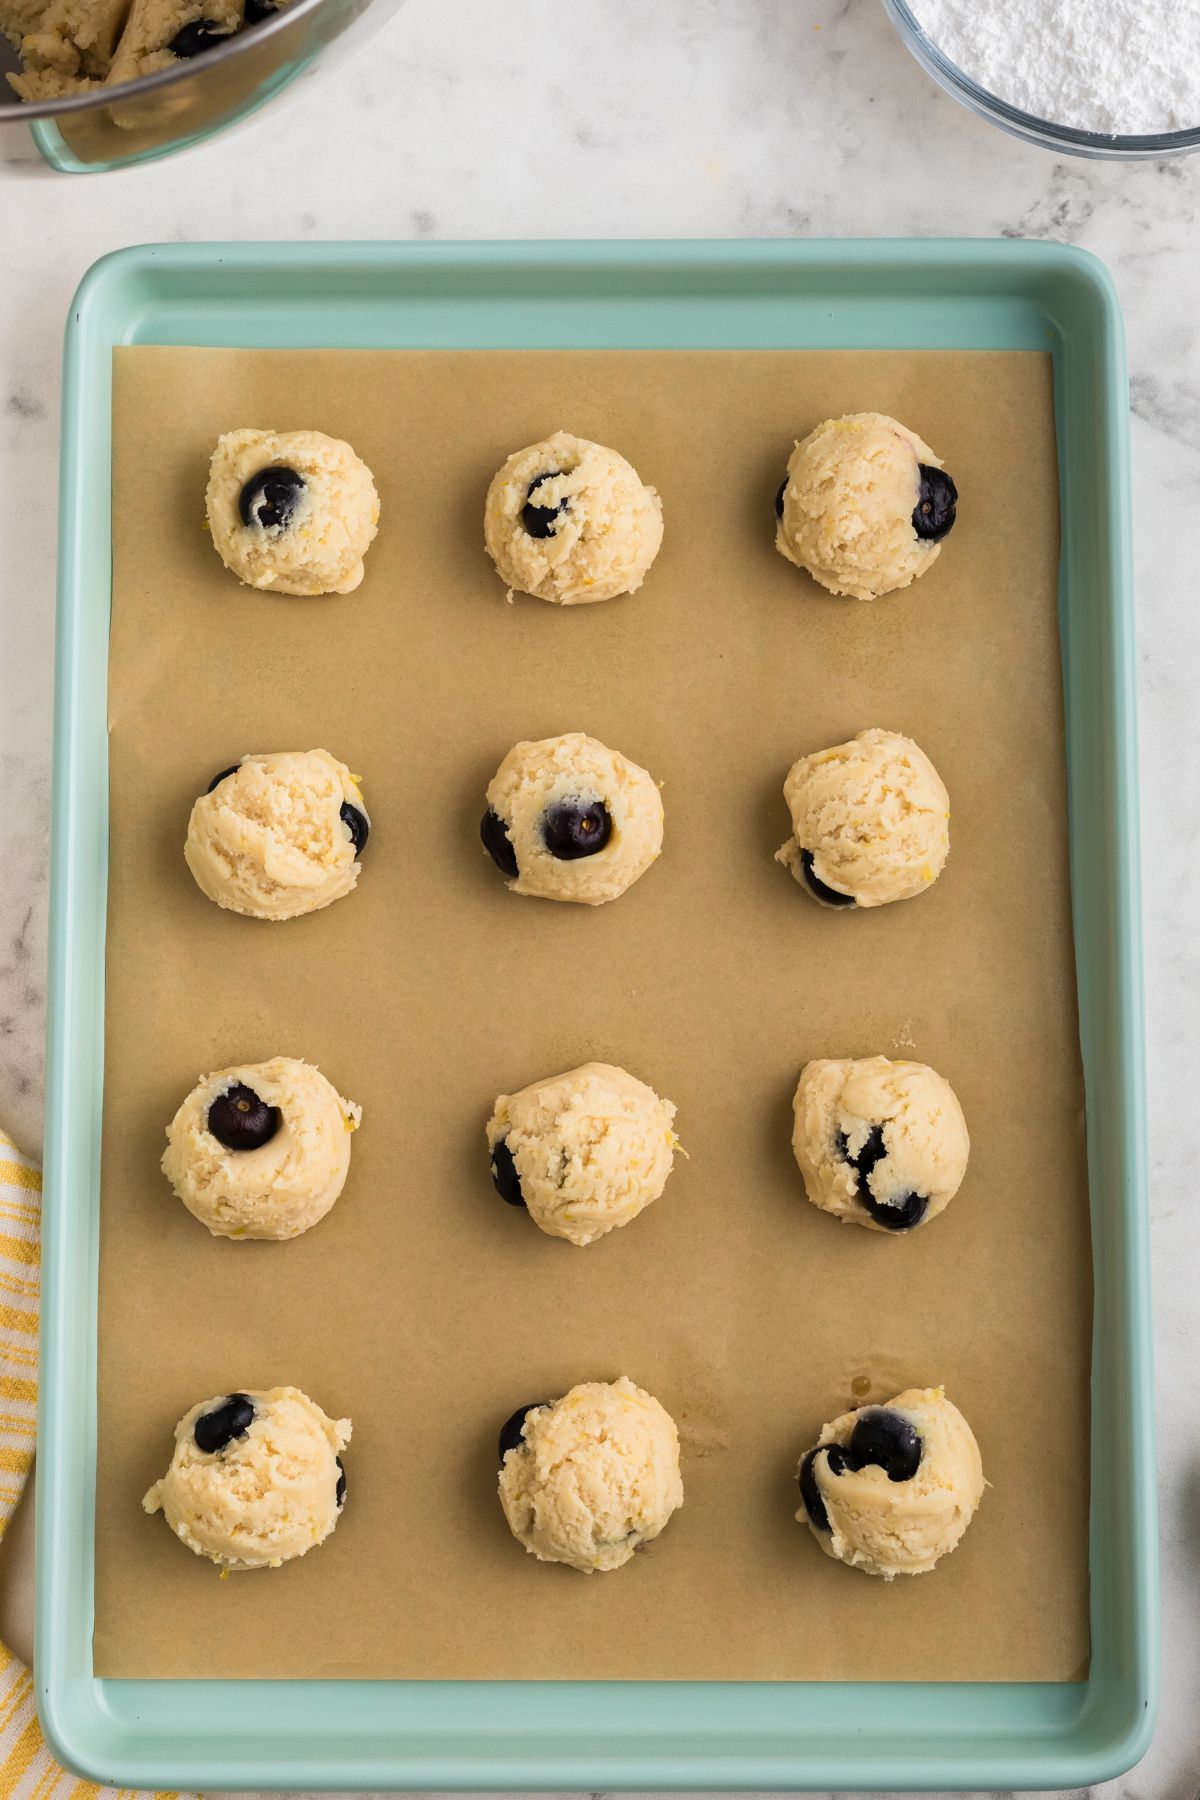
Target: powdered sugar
1116	66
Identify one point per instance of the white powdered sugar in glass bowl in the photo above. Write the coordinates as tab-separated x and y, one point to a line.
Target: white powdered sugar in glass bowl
1126	67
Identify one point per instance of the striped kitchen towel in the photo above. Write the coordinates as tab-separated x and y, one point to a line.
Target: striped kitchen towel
27	1769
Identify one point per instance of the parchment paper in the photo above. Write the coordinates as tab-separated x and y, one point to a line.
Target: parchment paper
425	1308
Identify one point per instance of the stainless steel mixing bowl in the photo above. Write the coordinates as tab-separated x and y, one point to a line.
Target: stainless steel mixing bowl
111	128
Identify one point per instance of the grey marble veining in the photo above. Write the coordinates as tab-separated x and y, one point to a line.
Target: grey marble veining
688	117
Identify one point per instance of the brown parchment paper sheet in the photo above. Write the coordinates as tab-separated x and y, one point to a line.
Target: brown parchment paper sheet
425	1308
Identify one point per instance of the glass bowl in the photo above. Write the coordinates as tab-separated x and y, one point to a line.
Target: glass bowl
1068	139
115	127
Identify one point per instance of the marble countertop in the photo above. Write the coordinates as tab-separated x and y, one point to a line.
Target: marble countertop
706	118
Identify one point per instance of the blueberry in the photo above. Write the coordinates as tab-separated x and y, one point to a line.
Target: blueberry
241	1121
933	515
497	843
193	39
357	824
900	1214
818	888
223	776
258	10
340	1490
511	1431
810	1493
232	1419
504	1174
779	498
269	498
887	1439
576	828
541	521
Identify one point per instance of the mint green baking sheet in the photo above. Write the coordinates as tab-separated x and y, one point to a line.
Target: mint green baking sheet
821	295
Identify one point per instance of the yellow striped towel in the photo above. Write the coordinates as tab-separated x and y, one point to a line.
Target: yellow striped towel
27	1769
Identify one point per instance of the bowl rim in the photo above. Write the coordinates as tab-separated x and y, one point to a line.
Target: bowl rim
1049	132
68	104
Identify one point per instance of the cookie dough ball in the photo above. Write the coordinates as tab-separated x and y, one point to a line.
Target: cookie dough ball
870	821
279	834
891	1489
865	506
569	819
882	1144
293	511
256	1478
262	1150
570	521
588	1479
582	1152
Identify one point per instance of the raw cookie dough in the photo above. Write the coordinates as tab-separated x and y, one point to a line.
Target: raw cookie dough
571	521
870	821
76	46
256	1478
865	506
588	1479
582	1152
882	1144
278	835
891	1489
569	819
262	1150
292	511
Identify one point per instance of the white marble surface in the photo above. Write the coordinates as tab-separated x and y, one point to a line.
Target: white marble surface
684	117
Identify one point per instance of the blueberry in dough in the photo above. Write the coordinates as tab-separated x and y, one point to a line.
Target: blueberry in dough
782	490
864	506
934	513
870	821
493	833
504	1174
879	1143
569	819
339	1493
218	1428
200	35
889	1440
512	1431
270	498
238	1119
357	824
819	889
258	10
542	521
218	779
891	1489
575	828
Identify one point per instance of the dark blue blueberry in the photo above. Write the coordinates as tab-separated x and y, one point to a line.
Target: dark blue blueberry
240	1120
258	10
232	1419
887	1439
504	1174
218	779
496	841
340	1491
934	513
357	824
269	498
779	498
541	521
818	888
511	1431
810	1493
194	39
576	828
900	1214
